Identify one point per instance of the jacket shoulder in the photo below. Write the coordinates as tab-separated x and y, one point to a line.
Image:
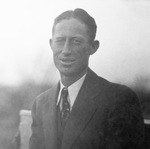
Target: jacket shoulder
42	98
117	93
46	97
110	90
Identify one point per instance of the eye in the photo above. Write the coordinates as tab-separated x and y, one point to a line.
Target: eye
59	41
77	41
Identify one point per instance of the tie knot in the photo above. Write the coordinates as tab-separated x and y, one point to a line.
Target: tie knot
65	92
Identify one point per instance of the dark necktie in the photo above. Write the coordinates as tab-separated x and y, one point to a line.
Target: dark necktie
65	107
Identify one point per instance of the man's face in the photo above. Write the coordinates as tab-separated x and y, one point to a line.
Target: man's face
71	47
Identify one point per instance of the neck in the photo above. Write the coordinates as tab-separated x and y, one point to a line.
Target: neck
68	80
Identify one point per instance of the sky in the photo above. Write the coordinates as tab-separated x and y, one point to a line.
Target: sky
25	30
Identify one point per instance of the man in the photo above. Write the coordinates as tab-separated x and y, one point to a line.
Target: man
83	110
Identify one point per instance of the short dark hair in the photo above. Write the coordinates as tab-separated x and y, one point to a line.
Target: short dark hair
82	16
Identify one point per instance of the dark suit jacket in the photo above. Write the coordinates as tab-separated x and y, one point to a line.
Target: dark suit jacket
104	116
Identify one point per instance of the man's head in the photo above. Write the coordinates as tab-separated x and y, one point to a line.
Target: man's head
73	42
83	17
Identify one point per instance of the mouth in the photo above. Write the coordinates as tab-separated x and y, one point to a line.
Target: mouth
67	61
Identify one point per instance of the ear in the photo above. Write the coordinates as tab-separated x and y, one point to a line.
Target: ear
50	43
94	46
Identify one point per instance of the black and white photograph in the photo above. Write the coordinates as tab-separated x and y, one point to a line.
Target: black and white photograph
75	74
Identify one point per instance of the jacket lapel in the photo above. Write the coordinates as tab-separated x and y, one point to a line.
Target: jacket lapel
83	109
50	119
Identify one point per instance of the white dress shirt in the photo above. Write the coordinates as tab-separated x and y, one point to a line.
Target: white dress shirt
73	91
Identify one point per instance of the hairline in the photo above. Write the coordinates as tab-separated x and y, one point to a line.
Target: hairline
72	17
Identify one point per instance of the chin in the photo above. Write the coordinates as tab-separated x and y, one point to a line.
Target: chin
67	73
71	72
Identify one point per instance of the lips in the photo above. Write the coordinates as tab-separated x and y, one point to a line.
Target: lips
66	61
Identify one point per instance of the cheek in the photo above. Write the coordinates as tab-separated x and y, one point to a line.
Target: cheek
83	53
56	48
55	57
56	51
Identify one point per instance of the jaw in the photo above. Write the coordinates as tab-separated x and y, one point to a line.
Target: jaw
69	76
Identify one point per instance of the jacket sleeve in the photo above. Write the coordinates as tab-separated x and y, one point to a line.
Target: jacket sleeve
125	123
37	137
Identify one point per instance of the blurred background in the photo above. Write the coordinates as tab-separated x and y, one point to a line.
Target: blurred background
26	63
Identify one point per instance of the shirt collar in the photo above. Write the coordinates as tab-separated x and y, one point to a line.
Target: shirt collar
73	90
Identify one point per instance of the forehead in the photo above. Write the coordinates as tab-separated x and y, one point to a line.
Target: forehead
70	27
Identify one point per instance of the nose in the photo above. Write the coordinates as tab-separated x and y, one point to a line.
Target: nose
67	48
